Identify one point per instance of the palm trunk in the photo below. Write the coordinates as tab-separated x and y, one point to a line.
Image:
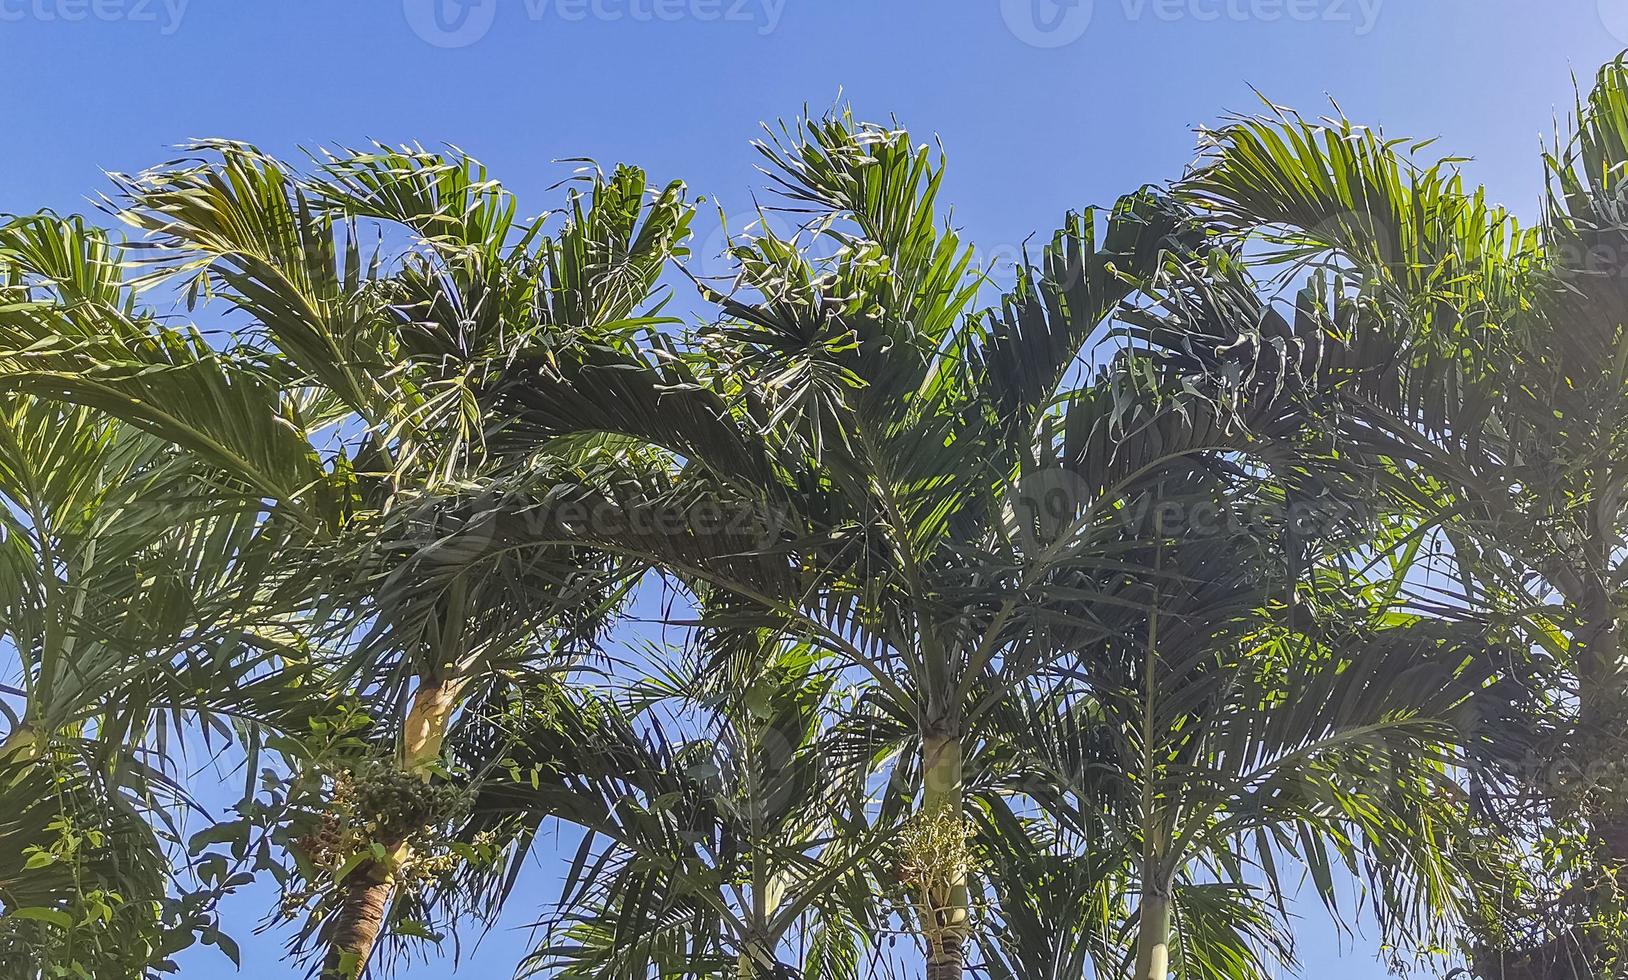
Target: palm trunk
364	895
1153	940
946	916
426	727
1602	688
948	959
1603	717
1153	936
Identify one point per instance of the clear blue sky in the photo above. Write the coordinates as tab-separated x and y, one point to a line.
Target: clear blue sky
1042	107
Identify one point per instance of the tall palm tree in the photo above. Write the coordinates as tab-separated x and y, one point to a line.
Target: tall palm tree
1243	713
473	447
963	491
140	599
1495	384
913	445
366	370
720	833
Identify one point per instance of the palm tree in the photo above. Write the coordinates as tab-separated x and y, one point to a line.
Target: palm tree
912	444
897	420
719	828
471	451
139	596
937	556
1243	713
377	365
1494	385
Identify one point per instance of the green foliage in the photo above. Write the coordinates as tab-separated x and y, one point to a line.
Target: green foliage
1010	614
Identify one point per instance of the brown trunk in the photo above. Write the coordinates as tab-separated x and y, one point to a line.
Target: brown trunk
363	896
947	959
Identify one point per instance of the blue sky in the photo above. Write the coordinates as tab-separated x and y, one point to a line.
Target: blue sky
1042	107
